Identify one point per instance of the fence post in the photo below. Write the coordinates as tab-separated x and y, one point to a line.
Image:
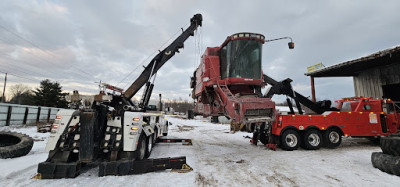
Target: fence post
25	115
38	115
8	115
48	115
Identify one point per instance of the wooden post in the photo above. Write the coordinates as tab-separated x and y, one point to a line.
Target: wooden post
38	115
25	115
312	89
9	111
48	115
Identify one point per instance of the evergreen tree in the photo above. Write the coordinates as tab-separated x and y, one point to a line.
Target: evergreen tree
50	94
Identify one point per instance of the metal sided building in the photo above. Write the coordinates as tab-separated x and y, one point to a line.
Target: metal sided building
376	75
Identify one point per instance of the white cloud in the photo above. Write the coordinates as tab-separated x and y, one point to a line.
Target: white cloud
81	42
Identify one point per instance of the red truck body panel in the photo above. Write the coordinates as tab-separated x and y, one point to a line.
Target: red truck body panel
366	118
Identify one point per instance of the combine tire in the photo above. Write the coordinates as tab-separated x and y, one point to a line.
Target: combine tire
332	138
312	139
390	145
290	140
13	144
386	163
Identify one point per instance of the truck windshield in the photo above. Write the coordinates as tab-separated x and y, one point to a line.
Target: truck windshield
241	59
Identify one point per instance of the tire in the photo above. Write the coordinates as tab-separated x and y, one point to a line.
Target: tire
190	114
141	148
312	139
13	144
214	119
290	140
155	136
255	138
386	163
390	145
332	138
149	145
166	127
264	138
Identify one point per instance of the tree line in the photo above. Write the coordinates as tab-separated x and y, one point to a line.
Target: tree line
48	94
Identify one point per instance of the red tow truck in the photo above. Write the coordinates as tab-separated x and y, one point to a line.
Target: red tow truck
355	117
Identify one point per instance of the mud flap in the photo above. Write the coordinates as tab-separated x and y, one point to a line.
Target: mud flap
49	170
148	130
142	166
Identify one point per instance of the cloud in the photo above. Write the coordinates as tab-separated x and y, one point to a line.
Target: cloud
80	42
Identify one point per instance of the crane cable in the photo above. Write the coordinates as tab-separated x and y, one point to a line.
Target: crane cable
142	62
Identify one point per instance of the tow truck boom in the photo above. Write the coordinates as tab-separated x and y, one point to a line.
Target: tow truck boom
158	61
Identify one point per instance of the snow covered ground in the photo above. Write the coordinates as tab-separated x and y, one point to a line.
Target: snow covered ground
219	159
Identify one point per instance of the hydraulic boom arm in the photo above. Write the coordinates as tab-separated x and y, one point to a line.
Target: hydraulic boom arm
284	87
159	60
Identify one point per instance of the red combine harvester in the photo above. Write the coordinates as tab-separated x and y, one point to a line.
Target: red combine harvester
355	117
228	83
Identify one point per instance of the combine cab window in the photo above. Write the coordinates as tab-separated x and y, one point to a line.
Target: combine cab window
241	59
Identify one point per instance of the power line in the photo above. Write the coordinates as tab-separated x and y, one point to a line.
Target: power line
44	51
17	76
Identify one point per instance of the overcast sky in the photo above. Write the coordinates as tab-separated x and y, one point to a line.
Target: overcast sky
78	43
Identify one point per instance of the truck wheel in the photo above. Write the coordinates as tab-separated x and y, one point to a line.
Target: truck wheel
332	138
390	145
13	144
386	163
166	129
290	140
149	147
155	136
312	139
141	148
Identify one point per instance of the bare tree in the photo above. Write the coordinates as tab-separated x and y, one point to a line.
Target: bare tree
21	94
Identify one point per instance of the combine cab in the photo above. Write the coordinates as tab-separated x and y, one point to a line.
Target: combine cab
228	83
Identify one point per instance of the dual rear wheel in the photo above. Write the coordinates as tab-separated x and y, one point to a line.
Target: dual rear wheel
312	139
145	145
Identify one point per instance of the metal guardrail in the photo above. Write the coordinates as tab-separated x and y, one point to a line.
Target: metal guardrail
14	114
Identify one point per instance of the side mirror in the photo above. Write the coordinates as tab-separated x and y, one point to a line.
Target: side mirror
291	45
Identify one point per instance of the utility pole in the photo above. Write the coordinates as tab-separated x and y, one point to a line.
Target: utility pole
3	100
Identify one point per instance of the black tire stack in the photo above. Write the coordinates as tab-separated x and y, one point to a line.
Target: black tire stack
389	159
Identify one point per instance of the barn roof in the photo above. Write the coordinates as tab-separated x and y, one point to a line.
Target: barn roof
354	67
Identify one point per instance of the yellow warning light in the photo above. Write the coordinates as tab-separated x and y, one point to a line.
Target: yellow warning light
134	128
360	112
346	135
323	128
136	119
349	112
58	117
